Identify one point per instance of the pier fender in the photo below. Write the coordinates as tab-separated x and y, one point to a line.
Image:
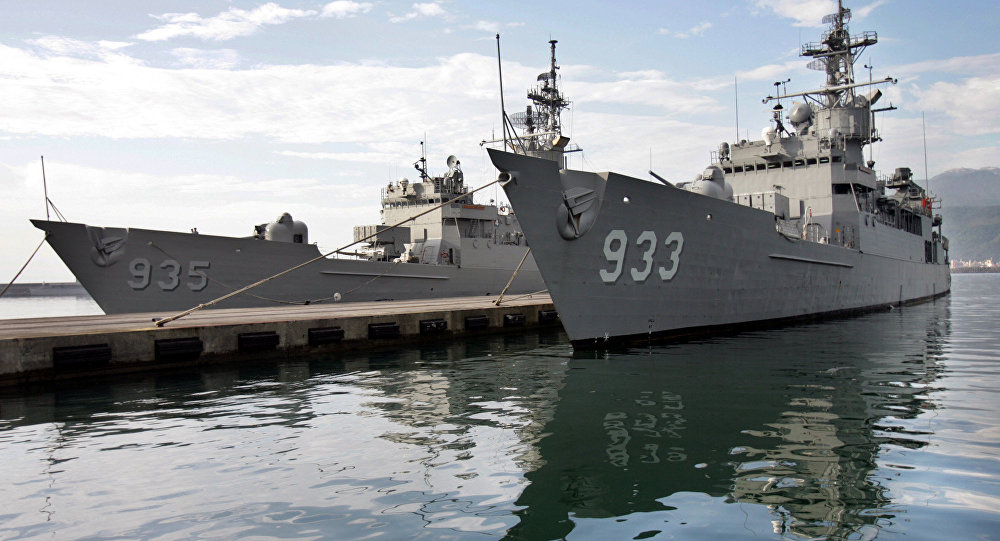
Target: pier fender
577	212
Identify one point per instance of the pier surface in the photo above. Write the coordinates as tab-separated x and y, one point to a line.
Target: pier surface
67	347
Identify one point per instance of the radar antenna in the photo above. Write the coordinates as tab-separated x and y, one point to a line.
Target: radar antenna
835	54
542	122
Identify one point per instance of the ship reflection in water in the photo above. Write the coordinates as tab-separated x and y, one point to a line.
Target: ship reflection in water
793	421
799	432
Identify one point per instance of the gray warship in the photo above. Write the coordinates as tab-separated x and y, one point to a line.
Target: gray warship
459	249
791	226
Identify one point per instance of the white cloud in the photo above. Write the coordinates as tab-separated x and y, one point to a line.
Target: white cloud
696	30
804	12
421	10
105	50
209	59
362	157
341	9
967	65
226	25
864	11
65	96
649	88
973	104
487	26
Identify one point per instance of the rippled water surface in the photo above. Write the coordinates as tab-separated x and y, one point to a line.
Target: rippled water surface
884	426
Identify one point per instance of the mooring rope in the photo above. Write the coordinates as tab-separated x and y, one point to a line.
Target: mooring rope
511	281
189	311
25	264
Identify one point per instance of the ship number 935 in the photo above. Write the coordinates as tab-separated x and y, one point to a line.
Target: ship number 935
666	262
170	271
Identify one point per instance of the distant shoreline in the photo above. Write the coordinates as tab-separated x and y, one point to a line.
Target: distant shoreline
975	270
45	289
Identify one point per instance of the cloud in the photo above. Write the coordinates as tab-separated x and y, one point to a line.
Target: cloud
486	26
973	104
226	25
207	59
66	96
804	12
491	27
967	65
696	30
102	49
862	12
360	157
421	10
341	9
651	88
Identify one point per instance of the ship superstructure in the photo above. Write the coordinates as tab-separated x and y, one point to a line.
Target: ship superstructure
460	232
814	177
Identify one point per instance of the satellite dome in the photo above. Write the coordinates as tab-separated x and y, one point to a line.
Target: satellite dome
769	135
800	113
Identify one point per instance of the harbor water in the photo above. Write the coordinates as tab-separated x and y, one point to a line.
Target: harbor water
882	426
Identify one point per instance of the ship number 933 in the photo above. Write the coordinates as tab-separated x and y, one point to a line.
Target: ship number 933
666	261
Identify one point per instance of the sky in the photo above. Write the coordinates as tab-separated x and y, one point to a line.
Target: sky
219	115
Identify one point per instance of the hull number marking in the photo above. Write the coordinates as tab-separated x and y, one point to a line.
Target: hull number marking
616	247
142	272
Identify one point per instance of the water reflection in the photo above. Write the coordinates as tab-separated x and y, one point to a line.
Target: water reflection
774	433
792	420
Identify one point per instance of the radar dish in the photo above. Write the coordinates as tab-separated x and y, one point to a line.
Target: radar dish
832	18
818	64
452	161
524	119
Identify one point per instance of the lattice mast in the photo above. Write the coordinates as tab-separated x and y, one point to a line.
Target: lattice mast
836	54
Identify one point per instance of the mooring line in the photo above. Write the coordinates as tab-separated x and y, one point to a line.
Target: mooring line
25	264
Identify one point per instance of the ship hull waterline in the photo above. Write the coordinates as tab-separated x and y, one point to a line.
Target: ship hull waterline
139	270
656	261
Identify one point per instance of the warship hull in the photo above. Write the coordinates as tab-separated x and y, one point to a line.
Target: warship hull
626	259
140	270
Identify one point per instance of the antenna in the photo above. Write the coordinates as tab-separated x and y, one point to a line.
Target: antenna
871	117
503	110
421	164
736	98
45	187
927	179
508	129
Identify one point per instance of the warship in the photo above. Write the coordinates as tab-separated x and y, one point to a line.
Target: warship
792	226
450	246
450	249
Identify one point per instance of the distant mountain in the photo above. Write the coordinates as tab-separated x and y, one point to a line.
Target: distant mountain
970	207
973	232
967	187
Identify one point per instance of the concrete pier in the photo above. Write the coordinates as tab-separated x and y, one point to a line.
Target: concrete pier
66	347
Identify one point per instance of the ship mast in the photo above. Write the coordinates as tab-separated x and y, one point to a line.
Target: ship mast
541	120
835	54
549	102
